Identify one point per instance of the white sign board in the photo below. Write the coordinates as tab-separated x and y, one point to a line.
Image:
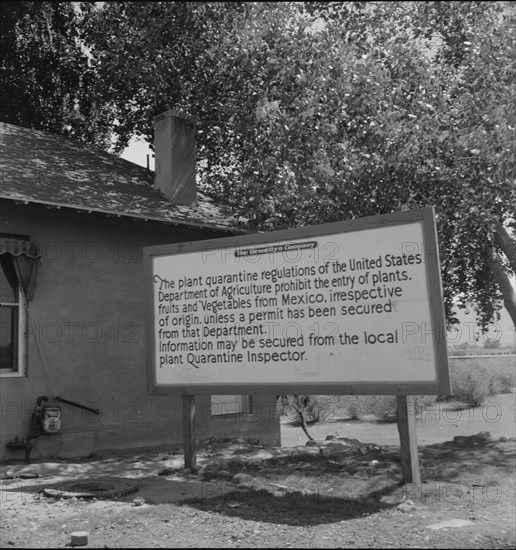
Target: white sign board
347	307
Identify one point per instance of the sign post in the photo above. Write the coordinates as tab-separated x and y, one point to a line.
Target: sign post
189	438
350	307
408	439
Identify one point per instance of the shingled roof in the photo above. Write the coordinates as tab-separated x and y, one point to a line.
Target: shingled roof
44	168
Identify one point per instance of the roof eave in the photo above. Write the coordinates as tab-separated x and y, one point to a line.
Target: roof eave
167	221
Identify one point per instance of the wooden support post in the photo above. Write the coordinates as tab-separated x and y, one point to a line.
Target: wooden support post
189	439
408	441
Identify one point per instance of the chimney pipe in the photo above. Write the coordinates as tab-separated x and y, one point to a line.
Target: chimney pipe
175	156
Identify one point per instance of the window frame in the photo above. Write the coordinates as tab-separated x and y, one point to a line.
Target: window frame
245	401
19	369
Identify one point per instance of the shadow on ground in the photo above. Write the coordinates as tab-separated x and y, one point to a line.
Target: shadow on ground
468	459
290	509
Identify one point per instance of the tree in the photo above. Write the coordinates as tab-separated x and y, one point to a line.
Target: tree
300	404
316	112
480	69
45	71
152	56
364	109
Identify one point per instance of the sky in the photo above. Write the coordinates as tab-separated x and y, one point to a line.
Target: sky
137	152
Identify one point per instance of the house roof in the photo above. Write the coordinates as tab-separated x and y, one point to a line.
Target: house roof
50	169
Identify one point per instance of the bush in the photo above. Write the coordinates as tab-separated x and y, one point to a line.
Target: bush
470	386
352	405
475	380
382	406
503	382
322	407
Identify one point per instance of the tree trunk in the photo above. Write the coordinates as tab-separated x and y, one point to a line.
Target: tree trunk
506	243
508	293
303	421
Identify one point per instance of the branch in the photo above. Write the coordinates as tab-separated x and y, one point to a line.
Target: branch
298	408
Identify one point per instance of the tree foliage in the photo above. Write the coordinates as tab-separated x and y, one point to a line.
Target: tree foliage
152	56
322	111
45	71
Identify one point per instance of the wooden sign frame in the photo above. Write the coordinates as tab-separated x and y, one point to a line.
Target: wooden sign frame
435	332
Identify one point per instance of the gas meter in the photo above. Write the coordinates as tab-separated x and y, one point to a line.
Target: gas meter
46	418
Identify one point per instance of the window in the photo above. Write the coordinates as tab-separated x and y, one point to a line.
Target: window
19	265
231	404
12	321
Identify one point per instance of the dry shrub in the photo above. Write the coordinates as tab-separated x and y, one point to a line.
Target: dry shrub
474	380
383	407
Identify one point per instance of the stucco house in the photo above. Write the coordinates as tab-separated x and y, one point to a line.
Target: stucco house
73	223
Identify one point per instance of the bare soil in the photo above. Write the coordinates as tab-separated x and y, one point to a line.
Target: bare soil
344	491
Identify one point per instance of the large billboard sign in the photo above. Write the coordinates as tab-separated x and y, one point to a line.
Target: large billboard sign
345	307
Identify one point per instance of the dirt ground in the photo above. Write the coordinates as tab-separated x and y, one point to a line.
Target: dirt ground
345	490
